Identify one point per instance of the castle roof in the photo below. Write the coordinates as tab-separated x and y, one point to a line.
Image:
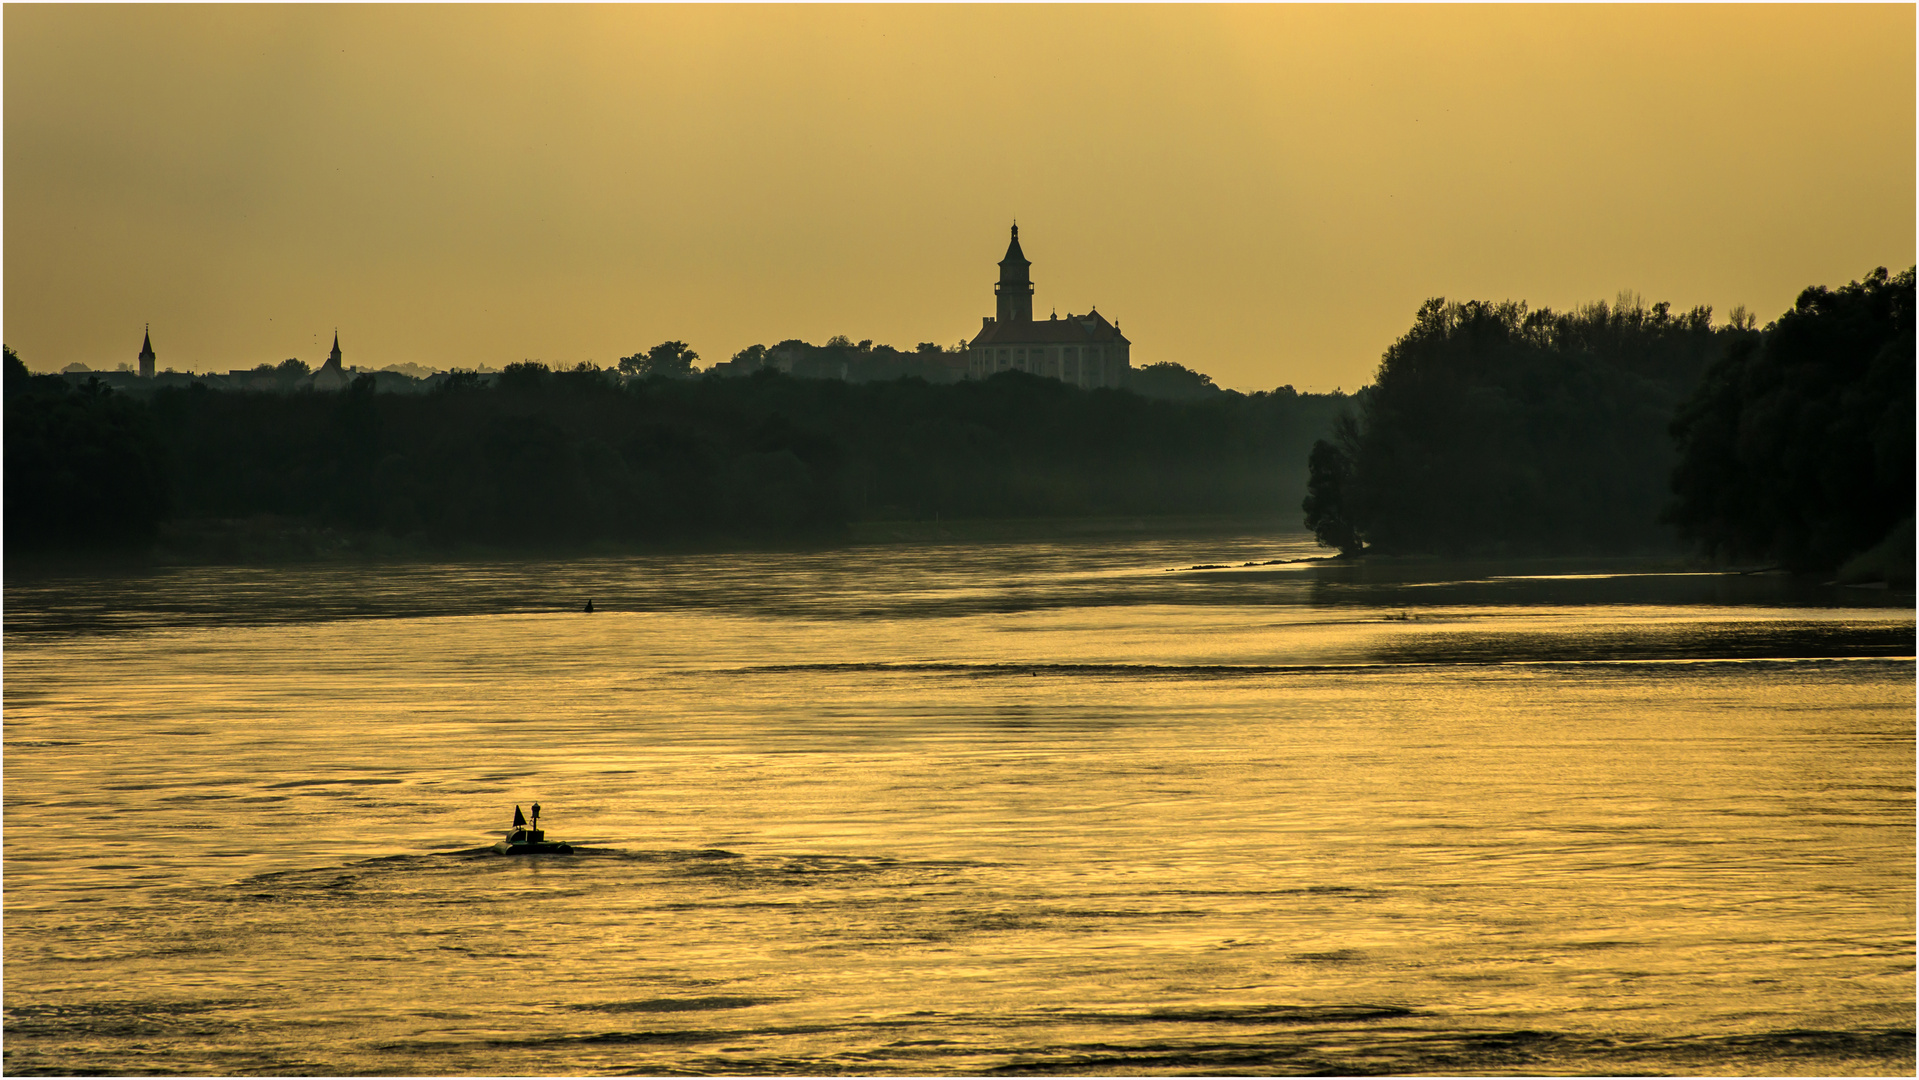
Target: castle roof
1014	256
1088	329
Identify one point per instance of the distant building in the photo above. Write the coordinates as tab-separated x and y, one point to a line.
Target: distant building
146	355
331	375
1084	350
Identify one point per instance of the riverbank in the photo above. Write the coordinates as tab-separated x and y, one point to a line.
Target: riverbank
273	540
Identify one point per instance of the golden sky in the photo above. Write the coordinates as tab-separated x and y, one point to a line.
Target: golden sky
1265	194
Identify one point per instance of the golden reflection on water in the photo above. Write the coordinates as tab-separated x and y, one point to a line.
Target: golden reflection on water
1149	837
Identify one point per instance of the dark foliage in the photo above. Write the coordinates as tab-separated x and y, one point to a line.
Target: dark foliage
1798	446
545	458
1491	428
1018	445
84	468
1168	380
842	358
667	360
1329	471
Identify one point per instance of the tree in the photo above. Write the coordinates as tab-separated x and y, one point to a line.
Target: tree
668	359
585	378
524	377
1175	382
1797	446
1329	484
750	359
84	466
1494	428
564	458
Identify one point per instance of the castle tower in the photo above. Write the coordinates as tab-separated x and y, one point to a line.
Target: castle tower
1015	289
146	355
1084	350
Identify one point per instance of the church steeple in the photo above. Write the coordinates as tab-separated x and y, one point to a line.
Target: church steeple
1015	289
331	375
146	354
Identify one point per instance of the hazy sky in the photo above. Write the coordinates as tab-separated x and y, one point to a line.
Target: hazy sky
1263	193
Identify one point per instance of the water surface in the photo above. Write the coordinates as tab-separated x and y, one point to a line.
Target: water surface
1066	807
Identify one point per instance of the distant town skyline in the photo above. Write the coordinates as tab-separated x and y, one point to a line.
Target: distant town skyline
1265	194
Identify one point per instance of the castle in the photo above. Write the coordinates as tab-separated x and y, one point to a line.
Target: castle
1084	350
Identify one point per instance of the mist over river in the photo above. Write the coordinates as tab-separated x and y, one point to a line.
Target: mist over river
1092	806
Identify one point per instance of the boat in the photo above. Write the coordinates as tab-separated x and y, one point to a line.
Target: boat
531	842
530	839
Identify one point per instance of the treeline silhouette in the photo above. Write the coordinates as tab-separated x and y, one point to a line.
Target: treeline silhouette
1169	380
1491	428
1798	445
548	459
843	358
85	466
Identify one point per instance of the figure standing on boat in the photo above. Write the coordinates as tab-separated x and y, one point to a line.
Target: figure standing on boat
527	839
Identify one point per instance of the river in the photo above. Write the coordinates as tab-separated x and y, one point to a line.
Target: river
1090	806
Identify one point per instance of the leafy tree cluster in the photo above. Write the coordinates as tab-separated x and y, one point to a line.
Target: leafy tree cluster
284	376
668	359
1494	428
544	458
541	458
1018	445
860	362
1798	445
1170	380
85	466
